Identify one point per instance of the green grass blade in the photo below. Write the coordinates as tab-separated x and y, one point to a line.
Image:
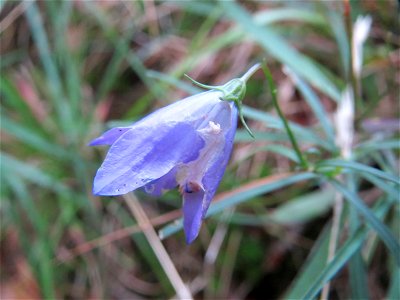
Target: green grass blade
237	35
316	106
240	196
358	276
279	150
312	267
272	121
381	229
357	265
377	145
359	168
293	140
31	173
294	211
123	47
339	32
304	208
394	291
13	101
388	188
341	258
41	259
54	81
280	49
33	139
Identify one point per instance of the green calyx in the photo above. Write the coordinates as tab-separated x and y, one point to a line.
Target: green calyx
234	90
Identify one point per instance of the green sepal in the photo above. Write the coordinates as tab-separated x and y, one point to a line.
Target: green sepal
204	86
234	90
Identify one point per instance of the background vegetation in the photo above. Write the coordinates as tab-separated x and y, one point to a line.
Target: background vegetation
284	225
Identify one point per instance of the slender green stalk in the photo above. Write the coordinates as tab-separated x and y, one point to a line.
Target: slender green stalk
250	72
272	87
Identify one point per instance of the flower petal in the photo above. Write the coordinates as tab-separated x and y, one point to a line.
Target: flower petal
110	136
145	153
216	171
166	182
192	213
199	178
190	109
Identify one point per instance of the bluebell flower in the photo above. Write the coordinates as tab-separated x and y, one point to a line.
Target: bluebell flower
185	144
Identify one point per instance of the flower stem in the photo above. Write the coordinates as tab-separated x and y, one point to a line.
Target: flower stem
272	87
250	72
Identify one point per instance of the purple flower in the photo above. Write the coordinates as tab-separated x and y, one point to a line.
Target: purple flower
185	144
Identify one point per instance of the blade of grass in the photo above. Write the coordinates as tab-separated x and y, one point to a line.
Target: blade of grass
274	148
294	211
39	249
41	41
123	47
31	173
342	256
32	139
357	266
339	32
315	104
370	218
274	122
372	146
70	65
394	291
13	101
312	267
240	195
273	91
359	168
237	35
280	49
388	188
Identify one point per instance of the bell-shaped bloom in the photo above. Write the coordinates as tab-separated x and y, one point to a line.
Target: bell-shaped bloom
186	144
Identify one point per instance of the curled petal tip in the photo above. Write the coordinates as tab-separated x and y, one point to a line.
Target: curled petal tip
190	239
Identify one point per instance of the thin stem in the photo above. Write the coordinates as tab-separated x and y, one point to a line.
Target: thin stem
333	240
272	87
166	263
250	72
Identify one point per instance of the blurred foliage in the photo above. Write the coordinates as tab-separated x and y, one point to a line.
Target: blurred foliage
71	69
